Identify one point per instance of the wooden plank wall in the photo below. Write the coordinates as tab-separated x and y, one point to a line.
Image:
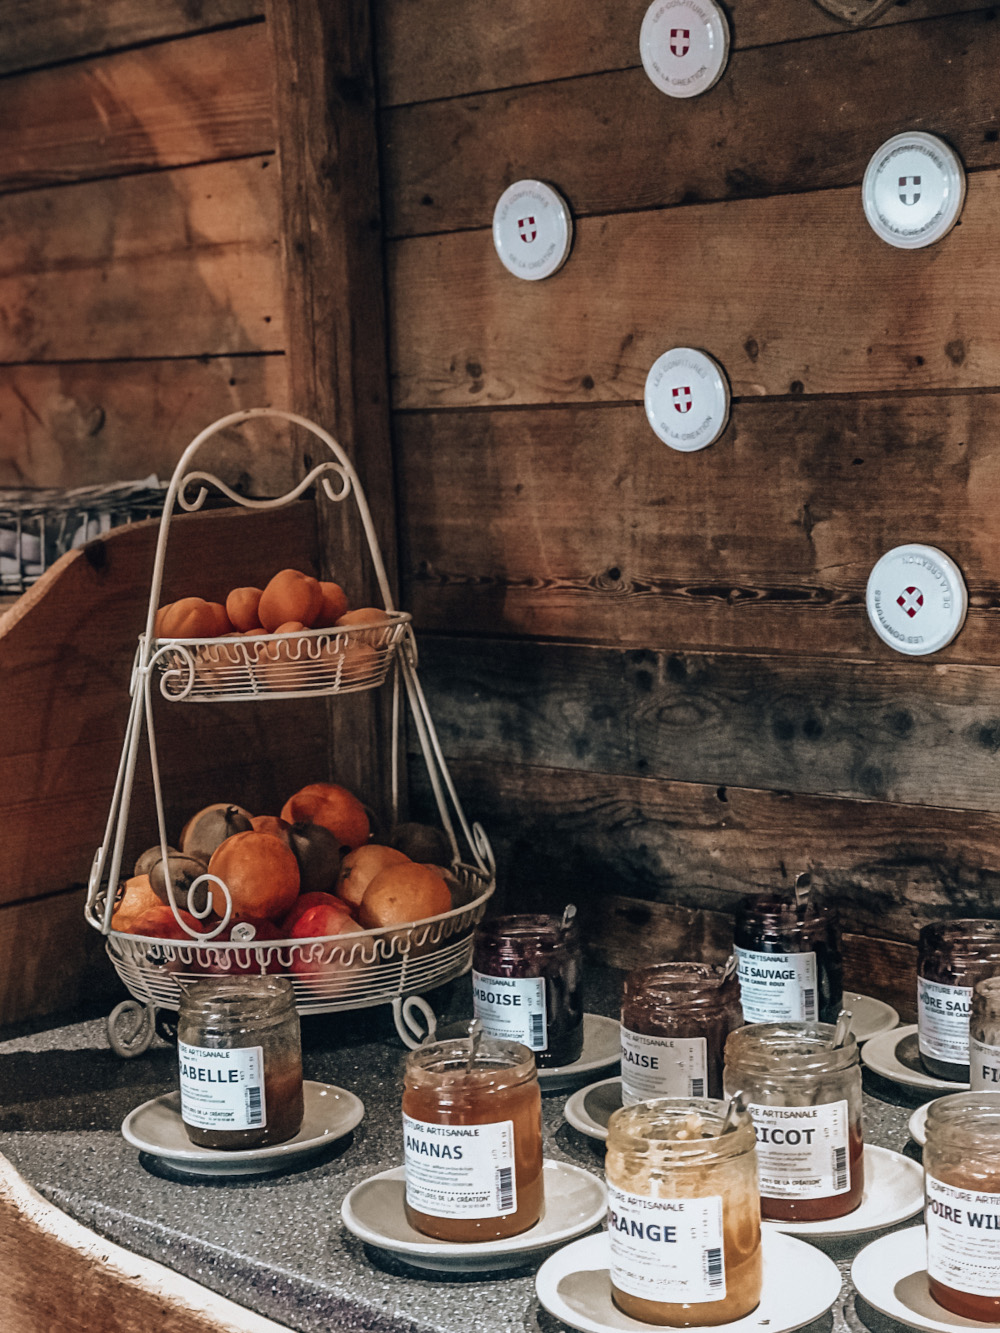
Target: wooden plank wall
653	673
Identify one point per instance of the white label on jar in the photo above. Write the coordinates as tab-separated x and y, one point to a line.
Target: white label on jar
222	1088
943	1021
667	1249
802	1151
512	1008
775	987
662	1066
984	1066
459	1170
963	1238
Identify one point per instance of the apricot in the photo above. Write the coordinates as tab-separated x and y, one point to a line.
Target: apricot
401	894
241	608
360	867
333	606
365	615
332	806
290	595
137	896
261	873
159	923
193	618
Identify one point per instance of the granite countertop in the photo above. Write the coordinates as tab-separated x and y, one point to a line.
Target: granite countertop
276	1244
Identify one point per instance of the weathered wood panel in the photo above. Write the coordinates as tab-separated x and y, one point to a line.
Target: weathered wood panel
159	106
51	959
613	142
792	294
173	263
587	527
922	733
39	32
441	48
77	424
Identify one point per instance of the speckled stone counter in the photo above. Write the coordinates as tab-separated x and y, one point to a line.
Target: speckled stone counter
276	1244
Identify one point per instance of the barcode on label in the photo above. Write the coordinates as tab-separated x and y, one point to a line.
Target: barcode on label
505	1188
840	1181
713	1267
697	1087
538	1032
809	1003
254	1111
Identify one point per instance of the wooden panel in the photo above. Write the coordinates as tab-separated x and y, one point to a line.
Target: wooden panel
181	102
50	960
613	142
792	294
587	527
38	32
174	263
78	424
909	731
439	48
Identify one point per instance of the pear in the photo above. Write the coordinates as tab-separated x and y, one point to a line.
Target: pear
317	851
212	826
184	870
422	842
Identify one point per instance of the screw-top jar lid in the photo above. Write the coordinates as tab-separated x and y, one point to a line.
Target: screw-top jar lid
913	190
916	599
684	45
532	230
687	399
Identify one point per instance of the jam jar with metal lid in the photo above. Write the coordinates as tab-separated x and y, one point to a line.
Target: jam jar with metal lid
675	1021
526	983
984	1036
953	956
683	1212
788	959
804	1095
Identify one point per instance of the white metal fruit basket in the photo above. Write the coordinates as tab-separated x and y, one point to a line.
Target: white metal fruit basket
392	965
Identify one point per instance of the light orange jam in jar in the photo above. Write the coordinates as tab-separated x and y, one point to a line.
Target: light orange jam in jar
683	1213
962	1184
472	1139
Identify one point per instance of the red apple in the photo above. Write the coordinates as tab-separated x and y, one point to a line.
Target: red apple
312	961
304	903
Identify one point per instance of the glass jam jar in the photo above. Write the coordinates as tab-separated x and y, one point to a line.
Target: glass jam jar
962	1183
805	1099
683	1213
675	1021
953	956
788	960
526	973
240	1056
984	1036
472	1139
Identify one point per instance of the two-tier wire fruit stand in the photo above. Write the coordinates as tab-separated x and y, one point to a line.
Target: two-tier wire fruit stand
393	965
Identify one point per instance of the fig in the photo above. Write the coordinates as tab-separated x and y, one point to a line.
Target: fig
317	851
212	826
184	870
422	842
150	857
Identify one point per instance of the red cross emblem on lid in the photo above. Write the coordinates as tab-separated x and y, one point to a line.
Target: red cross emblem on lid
526	229
682	398
680	41
911	600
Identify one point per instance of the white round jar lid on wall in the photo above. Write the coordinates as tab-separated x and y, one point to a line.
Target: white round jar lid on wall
532	229
916	599
687	399
684	45
913	190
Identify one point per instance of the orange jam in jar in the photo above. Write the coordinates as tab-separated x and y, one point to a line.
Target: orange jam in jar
472	1135
683	1213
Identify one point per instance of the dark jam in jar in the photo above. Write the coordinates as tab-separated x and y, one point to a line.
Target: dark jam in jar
526	974
789	960
953	957
675	1021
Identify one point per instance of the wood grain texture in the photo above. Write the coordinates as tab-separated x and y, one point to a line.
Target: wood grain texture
50	961
588	528
159	106
791	294
77	424
442	48
40	32
903	731
612	142
174	263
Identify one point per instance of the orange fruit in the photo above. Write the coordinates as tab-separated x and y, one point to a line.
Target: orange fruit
365	615
290	595
401	894
160	924
241	608
333	606
359	868
193	618
261	873
136	899
332	806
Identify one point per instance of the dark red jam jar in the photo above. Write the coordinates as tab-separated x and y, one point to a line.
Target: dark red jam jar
953	956
788	960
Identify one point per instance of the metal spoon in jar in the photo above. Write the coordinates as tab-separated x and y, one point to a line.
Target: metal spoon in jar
841	1030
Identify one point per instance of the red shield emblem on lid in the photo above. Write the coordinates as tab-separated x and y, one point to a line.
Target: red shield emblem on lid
526	229
911	600
682	398
909	190
680	41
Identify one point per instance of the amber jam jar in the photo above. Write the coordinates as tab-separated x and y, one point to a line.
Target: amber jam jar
675	1021
805	1100
240	1058
472	1136
953	956
526	972
788	958
683	1213
962	1182
984	1036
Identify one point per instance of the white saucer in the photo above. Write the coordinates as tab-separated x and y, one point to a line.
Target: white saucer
590	1108
891	1275
894	1191
869	1017
602	1048
156	1128
917	1124
894	1055
800	1284
575	1201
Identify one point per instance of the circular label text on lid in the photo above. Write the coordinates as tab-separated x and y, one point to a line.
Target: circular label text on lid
532	230
684	45
687	399
913	190
916	599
